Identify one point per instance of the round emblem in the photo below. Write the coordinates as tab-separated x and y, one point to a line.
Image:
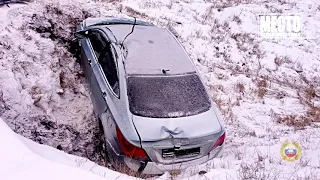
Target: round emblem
290	151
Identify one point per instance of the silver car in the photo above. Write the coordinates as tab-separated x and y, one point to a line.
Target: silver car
153	106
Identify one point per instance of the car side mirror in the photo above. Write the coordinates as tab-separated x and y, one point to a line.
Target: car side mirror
81	34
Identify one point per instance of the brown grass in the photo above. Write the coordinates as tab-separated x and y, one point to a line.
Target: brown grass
307	94
135	13
237	19
262	87
298	122
310	93
3	106
219	102
207	15
221	4
314	112
280	60
240	87
174	174
122	168
238	154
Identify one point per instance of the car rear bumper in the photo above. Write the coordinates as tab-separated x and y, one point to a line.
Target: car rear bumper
156	168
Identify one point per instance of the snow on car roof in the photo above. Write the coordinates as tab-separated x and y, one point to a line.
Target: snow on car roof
152	49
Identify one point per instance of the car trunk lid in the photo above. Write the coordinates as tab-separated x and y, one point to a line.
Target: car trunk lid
155	129
168	140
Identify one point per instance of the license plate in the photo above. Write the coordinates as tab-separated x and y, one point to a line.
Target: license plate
170	153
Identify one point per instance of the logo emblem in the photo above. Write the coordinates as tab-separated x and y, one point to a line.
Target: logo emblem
290	151
280	26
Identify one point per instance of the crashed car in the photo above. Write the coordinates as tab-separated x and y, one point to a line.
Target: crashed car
152	104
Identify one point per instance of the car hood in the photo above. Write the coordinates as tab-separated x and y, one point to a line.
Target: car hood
155	129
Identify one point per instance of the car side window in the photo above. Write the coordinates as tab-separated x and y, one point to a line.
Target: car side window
102	50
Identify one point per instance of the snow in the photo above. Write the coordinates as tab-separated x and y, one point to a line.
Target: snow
22	158
254	82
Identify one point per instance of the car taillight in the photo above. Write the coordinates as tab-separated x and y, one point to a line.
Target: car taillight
220	141
129	149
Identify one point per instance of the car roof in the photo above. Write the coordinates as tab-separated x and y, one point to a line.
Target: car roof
113	20
151	49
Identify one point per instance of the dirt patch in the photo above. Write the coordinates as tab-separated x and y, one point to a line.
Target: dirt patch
47	101
59	25
44	130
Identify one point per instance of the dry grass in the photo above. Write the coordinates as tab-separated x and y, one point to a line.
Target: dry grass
263	166
257	169
314	113
237	19
109	1
243	40
280	60
310	93
221	4
219	31
311	116
124	169
262	87
174	174
219	102
240	88
3	106
35	95
5	44
238	154
307	94
170	5
298	122
207	16
135	13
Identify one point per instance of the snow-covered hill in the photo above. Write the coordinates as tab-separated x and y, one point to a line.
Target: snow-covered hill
267	90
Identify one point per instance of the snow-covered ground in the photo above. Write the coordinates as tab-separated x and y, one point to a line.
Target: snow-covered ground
22	158
267	90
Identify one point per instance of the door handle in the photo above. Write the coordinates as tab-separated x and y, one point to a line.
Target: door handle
104	94
89	62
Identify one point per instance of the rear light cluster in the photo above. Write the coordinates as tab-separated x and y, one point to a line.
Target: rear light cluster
220	141
129	149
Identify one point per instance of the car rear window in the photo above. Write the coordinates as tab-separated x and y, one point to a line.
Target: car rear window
167	96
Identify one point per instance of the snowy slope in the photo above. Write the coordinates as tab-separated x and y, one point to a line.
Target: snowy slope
25	159
267	90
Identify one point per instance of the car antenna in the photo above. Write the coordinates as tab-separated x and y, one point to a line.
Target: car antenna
134	24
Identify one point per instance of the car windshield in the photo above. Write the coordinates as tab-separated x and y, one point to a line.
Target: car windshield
167	96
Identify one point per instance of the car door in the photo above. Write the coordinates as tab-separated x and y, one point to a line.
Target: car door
87	56
105	79
98	86
106	86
